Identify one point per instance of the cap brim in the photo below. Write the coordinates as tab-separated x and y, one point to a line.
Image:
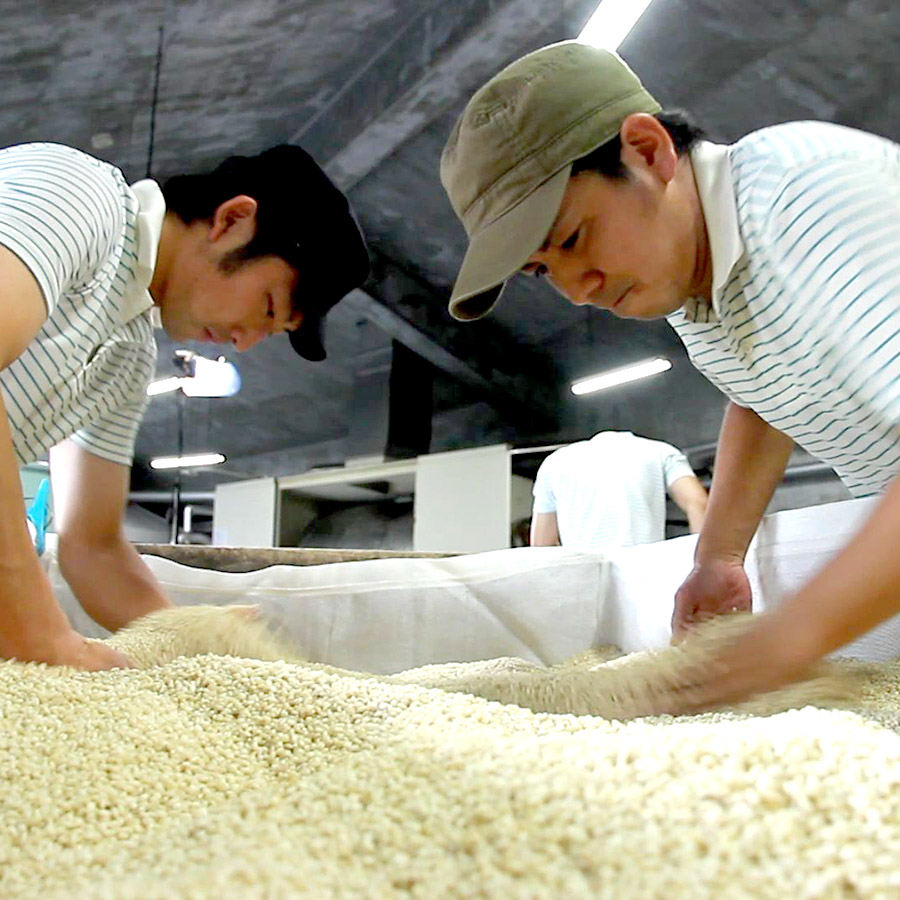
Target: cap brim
309	340
498	251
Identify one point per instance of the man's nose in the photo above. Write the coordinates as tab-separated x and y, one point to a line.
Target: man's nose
245	338
579	299
577	282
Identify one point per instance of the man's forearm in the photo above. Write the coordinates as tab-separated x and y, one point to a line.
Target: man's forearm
750	462
696	513
111	581
30	618
544	530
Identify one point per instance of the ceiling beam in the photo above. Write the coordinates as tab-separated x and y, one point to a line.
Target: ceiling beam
520	383
444	79
517	381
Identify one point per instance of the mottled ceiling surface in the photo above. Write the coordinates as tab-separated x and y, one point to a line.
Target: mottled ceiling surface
371	88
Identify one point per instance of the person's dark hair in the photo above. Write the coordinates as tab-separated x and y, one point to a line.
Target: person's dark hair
195	198
607	158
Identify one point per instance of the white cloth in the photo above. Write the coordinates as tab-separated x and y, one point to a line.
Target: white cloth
788	549
541	604
804	326
388	615
90	242
609	491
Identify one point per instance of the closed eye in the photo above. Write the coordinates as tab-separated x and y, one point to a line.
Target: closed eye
570	241
272	315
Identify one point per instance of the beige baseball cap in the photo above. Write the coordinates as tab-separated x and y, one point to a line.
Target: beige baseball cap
507	162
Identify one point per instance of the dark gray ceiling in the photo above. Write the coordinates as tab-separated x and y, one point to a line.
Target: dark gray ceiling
371	88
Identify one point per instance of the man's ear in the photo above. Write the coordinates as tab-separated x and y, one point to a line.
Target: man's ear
236	217
646	144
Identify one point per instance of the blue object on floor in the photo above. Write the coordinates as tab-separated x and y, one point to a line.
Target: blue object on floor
38	514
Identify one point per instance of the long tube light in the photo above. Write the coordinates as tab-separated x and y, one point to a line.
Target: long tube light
620	376
187	462
611	22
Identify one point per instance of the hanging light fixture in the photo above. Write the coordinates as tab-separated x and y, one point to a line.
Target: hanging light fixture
202	377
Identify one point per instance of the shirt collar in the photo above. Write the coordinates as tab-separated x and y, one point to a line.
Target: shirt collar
715	188
604	434
148	226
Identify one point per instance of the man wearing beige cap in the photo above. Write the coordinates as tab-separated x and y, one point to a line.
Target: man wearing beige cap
775	259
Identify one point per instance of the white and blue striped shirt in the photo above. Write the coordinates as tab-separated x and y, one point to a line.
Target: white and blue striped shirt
804	325
90	243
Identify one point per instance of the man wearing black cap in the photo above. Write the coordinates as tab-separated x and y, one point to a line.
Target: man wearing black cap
245	219
88	264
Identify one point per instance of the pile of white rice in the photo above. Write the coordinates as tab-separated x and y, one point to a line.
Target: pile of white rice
222	777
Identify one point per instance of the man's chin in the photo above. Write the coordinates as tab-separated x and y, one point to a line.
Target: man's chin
638	315
648	312
170	328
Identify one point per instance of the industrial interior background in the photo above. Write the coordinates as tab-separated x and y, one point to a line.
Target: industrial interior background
371	88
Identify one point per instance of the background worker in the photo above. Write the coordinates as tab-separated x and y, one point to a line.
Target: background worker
610	491
86	263
777	261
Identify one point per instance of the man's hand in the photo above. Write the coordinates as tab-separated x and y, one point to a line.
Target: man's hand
72	649
711	589
34	629
769	655
750	461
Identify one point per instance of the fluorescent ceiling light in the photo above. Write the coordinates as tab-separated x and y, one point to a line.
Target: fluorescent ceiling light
186	462
620	376
611	22
211	377
204	378
164	385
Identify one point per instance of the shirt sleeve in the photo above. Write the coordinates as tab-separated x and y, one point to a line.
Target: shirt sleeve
114	436
544	497
675	465
60	210
113	432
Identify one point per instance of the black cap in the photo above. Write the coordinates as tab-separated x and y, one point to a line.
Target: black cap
343	244
306	220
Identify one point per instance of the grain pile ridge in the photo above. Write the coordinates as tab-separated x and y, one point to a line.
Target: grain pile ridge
216	776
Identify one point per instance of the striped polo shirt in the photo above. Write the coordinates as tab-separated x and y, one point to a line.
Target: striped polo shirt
804	324
90	242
